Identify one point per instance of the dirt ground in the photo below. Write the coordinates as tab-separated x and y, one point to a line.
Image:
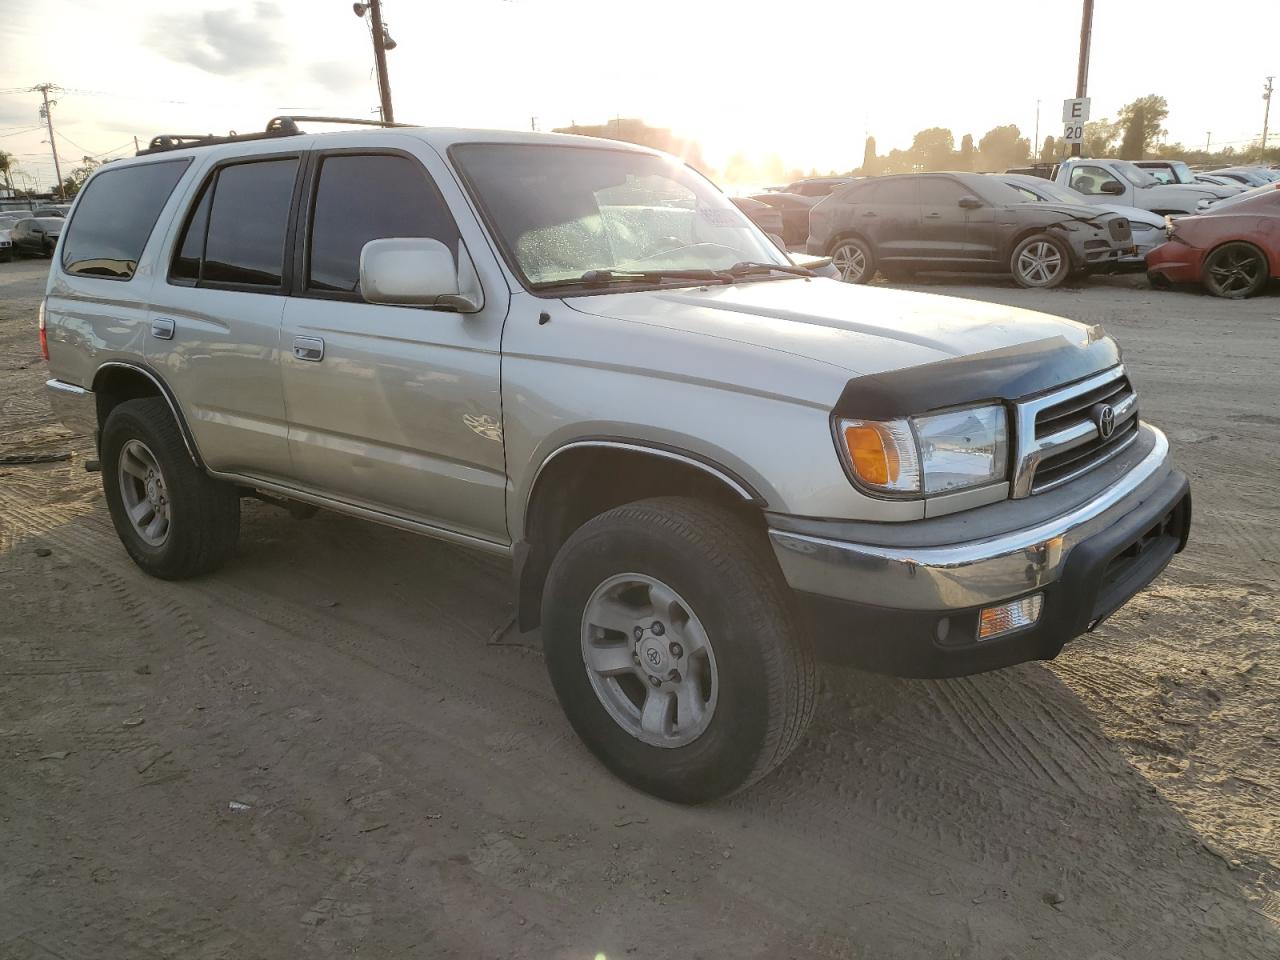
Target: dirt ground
320	751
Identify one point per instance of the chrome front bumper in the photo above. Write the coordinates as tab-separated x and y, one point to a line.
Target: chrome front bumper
970	574
75	407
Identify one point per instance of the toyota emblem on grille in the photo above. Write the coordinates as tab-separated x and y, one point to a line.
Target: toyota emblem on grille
1104	415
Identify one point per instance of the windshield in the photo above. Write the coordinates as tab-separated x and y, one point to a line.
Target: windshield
1181	172
1056	192
1134	174
561	212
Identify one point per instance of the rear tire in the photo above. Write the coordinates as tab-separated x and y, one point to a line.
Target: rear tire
1040	262
854	260
666	574
174	520
1235	270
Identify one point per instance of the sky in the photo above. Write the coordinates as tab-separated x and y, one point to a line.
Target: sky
805	81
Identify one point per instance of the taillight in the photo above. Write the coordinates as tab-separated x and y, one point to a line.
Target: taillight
44	336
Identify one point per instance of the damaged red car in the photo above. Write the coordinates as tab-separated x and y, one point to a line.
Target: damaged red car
1233	248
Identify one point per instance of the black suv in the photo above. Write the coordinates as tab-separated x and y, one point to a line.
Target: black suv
961	221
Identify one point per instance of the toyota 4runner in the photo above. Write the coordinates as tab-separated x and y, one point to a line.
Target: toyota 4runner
706	464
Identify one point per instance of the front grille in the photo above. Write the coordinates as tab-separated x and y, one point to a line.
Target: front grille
1120	229
1060	434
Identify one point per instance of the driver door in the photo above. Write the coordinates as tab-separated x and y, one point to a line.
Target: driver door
395	409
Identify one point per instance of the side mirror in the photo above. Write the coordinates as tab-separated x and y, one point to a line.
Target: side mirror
970	203
1111	187
414	271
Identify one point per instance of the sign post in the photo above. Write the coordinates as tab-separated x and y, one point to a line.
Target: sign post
1075	112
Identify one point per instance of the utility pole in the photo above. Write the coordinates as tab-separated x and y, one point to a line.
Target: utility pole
381	44
1266	117
1208	139
1082	72
533	124
1035	144
47	115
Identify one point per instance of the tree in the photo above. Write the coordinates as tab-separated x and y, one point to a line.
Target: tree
870	163
932	149
7	162
966	152
1003	147
1142	122
1049	150
1099	138
75	180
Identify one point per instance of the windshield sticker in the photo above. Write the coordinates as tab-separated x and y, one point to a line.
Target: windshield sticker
720	216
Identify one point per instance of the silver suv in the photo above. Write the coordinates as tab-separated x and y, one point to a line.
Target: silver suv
707	465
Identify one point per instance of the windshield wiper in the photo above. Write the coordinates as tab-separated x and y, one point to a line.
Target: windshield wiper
747	268
599	278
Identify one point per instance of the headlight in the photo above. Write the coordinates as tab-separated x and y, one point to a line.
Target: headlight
925	456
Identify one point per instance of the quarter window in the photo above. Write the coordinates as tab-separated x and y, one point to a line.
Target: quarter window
370	197
115	216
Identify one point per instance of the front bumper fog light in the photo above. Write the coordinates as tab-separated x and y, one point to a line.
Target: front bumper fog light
1015	615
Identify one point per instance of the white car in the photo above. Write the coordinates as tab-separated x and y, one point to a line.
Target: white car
1177	172
1149	229
6	245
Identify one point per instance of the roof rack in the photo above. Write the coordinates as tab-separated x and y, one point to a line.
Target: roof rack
277	127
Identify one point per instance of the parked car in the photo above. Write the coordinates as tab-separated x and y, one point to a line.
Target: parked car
763	216
1106	180
1233	248
961	221
815	186
36	235
1148	229
1249	176
1176	171
794	209
701	461
50	212
6	243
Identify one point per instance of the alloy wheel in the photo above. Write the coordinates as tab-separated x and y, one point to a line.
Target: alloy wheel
1234	271
850	261
1040	263
143	490
649	660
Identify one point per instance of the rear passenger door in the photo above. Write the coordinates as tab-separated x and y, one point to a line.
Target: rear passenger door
215	321
891	220
395	409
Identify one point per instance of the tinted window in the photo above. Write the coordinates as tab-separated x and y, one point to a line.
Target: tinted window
115	216
186	261
247	222
363	198
936	192
896	191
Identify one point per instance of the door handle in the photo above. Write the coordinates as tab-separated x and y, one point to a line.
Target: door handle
162	328
933	216
308	348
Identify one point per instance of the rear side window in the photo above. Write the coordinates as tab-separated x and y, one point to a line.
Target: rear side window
115	216
370	197
896	191
235	235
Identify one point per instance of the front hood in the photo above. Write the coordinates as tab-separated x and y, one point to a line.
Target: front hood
860	329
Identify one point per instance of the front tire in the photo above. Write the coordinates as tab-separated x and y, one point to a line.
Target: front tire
1235	270
854	260
1040	262
174	520
674	650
